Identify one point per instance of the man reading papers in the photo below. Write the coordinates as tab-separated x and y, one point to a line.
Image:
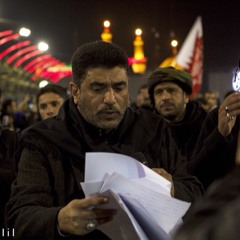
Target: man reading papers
47	200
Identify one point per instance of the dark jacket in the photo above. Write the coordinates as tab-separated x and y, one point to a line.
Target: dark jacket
53	159
216	216
8	141
185	133
214	155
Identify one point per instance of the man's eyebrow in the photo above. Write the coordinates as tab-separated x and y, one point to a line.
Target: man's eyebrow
95	83
121	82
102	84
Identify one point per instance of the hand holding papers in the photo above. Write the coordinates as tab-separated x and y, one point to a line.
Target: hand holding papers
141	196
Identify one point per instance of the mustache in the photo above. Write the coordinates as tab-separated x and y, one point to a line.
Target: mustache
164	103
109	108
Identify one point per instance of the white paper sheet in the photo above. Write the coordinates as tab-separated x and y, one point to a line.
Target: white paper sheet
146	195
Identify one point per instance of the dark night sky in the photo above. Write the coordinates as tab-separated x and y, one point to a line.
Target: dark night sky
66	24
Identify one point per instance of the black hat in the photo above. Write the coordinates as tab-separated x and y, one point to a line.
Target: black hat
169	74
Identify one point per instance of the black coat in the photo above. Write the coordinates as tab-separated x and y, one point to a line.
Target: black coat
186	132
8	141
214	155
216	216
52	162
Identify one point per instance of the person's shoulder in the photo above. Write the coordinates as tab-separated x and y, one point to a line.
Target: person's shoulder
214	111
41	129
146	113
149	118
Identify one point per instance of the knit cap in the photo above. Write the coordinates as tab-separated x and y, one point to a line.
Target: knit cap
169	74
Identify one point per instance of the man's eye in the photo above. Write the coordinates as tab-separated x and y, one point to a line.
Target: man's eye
158	92
97	89
55	103
119	88
43	106
171	90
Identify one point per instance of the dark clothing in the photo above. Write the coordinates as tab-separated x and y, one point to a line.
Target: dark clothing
214	155
216	216
185	133
8	141
53	160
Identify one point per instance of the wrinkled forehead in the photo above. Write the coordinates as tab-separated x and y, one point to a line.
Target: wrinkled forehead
101	74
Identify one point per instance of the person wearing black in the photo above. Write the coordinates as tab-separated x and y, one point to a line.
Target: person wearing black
216	216
47	201
214	155
8	142
169	91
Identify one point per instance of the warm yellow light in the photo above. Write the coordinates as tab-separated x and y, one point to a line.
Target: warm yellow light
138	32
106	23
174	43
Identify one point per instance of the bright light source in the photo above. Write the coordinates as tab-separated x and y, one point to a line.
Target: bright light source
174	43
106	23
43	83
236	80
138	31
24	32
43	46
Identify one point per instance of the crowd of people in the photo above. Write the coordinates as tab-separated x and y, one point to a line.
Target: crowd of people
191	143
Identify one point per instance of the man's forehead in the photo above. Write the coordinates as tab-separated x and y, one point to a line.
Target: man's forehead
106	76
50	95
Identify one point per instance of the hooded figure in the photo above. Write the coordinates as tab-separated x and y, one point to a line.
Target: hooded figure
169	91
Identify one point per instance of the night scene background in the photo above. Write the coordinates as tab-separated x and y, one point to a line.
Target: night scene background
66	24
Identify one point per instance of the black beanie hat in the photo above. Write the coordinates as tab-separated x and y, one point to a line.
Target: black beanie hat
169	74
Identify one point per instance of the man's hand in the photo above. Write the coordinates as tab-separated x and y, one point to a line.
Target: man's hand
227	113
166	175
74	217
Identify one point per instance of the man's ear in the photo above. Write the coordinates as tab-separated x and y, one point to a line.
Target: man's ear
186	98
75	91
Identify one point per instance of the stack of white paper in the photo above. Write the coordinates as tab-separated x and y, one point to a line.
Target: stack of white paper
145	208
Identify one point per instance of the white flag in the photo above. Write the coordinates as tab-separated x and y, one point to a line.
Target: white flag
190	56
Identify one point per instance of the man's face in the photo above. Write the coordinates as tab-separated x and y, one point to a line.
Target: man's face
102	97
211	99
12	108
49	105
170	101
143	98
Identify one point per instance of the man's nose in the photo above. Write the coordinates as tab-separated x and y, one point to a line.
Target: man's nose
165	95
109	97
49	110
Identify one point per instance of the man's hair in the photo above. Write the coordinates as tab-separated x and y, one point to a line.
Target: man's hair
6	103
97	54
52	88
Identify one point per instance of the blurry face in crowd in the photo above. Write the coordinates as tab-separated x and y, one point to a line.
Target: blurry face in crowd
49	105
102	97
143	98
211	99
12	108
170	101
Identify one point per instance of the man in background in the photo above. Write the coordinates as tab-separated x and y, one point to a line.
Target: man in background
49	99
169	91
